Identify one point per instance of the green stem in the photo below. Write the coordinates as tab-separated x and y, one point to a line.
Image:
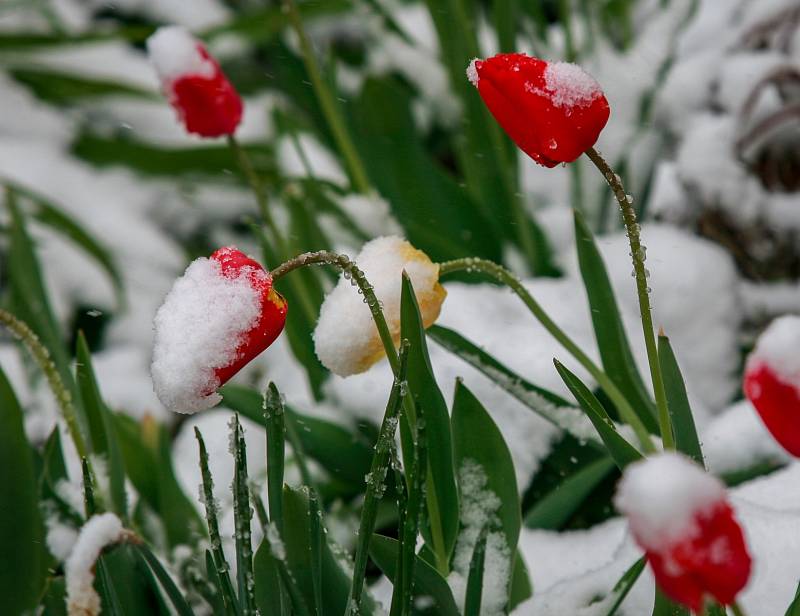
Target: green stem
375	484
502	275
643	291
327	103
41	355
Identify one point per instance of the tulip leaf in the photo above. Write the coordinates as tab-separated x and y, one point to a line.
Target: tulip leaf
442	494
521	586
621	451
61	88
664	607
553	511
428	582
609	330
102	434
477	439
683	428
474	592
794	606
22	568
624	585
165	580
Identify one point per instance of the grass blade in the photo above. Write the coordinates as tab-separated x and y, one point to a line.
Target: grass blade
165	580
624	585
276	449
242	514
474	592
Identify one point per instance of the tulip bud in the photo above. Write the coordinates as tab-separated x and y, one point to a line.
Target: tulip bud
206	102
346	339
554	111
772	381
218	317
680	517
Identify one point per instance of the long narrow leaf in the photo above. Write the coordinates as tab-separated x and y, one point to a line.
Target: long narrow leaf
242	515
276	449
474	592
624	585
165	580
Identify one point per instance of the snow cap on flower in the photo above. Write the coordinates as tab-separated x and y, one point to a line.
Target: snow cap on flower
680	516
346	339
554	111
772	381
206	102
219	315
98	532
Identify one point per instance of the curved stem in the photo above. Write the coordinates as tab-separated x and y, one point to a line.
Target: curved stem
357	277
327	102
505	277
643	291
22	332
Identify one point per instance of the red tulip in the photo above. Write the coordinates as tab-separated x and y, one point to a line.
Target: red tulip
218	317
680	517
554	111
772	381
206	102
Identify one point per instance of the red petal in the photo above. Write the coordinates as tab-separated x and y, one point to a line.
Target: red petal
273	309
514	89
777	402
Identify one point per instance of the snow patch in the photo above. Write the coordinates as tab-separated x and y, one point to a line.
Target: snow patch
777	347
472	73
176	53
661	497
198	330
569	85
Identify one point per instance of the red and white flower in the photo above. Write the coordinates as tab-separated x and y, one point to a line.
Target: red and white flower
206	102
218	317
554	111
772	381
680	516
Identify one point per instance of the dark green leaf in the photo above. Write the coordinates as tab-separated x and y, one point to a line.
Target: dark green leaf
680	412
427	581
61	88
101	427
474	592
441	491
521	587
22	567
622	452
276	450
665	607
794	606
271	599
553	511
242	515
624	585
609	330
165	580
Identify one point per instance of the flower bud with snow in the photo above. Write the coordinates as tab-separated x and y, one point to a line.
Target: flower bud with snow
554	111
680	516
206	102
346	339
219	316
772	381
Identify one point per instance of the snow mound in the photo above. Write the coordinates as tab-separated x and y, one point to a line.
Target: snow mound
778	348
175	53
662	496
198	330
569	85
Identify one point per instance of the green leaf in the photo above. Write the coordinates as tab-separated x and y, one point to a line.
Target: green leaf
442	494
664	607
276	451
101	427
130	587
145	449
624	585
271	598
322	440
437	214
521	587
477	438
428	582
55	597
22	568
553	511
622	452
680	412
165	580
60	88
794	606
242	515
474	592
609	330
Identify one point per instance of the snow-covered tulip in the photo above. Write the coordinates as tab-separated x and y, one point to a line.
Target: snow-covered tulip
772	381
554	111
219	315
346	339
206	102
680	516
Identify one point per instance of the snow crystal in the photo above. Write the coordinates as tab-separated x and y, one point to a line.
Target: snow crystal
777	347
97	533
276	545
569	85
472	73
346	339
479	507
61	537
197	330
175	53
662	495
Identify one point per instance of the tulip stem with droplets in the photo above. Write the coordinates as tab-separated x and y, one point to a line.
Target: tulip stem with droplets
508	279
643	291
327	103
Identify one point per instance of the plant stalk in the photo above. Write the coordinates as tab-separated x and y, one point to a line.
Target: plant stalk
642	290
505	277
